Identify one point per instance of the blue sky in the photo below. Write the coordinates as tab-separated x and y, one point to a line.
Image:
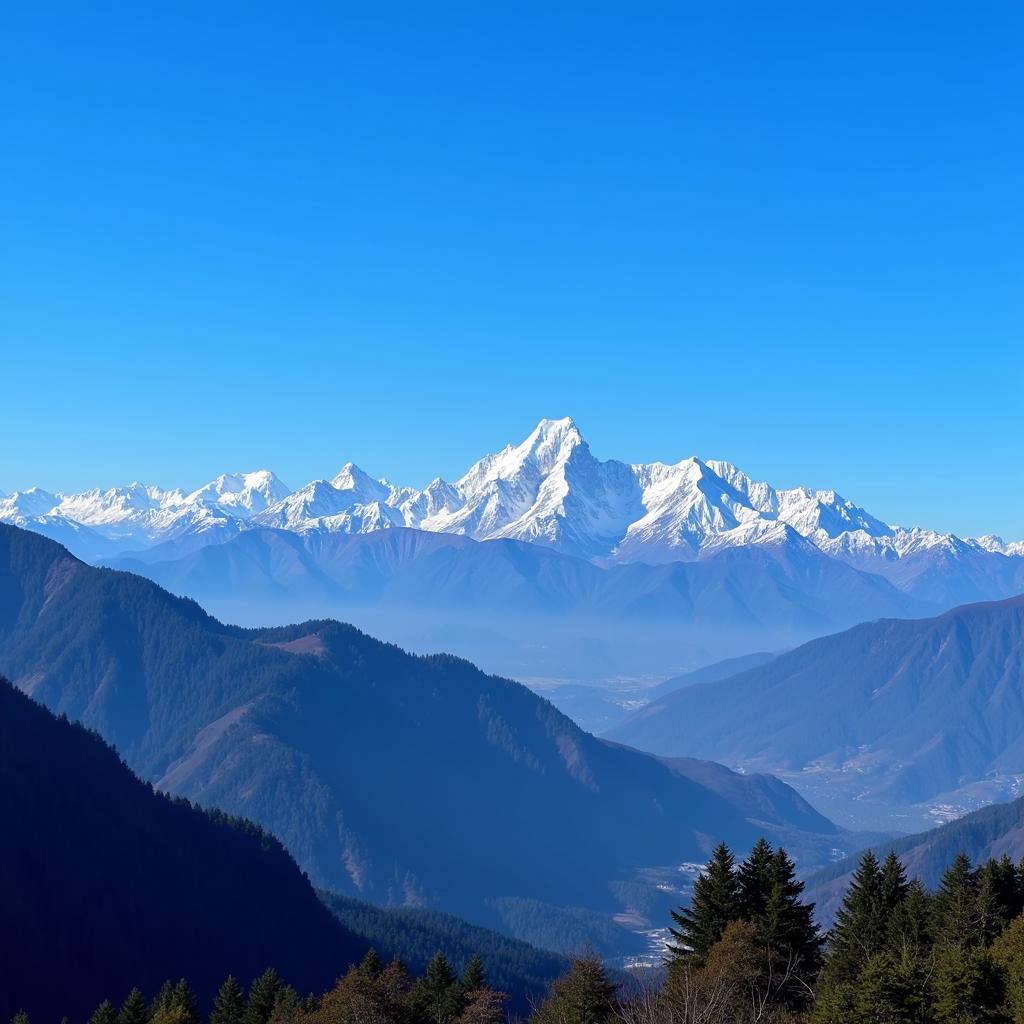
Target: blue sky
789	235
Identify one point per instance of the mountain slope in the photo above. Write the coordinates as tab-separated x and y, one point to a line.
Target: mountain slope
989	832
367	762
106	885
424	588
414	935
710	673
899	712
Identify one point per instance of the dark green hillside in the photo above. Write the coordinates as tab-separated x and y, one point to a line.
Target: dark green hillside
415	934
105	884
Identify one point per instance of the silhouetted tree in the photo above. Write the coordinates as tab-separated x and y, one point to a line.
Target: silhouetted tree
714	905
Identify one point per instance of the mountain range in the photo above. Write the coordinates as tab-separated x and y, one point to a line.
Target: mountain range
548	490
541	562
405	780
528	611
911	719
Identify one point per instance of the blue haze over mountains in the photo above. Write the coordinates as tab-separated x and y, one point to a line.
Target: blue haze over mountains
541	562
342	745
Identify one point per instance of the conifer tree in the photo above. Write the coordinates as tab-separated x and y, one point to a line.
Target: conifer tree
582	996
968	987
184	1001
955	923
755	877
859	933
263	994
788	923
286	1006
437	997
714	905
474	977
229	1003
21	1017
999	897
1008	953
133	1009
371	965
884	993
892	887
104	1013
910	928
988	911
164	998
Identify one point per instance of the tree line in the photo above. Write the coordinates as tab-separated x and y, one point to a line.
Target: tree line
745	951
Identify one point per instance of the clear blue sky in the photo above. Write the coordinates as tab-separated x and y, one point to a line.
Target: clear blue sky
785	234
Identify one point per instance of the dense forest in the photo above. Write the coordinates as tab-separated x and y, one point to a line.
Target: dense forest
745	950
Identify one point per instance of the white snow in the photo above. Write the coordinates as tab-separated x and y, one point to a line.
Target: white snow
549	489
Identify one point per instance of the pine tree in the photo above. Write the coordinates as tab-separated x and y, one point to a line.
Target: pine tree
714	905
910	928
893	886
164	998
859	933
999	900
185	1003
1008	953
104	1013
21	1017
582	996
968	987
286	1006
263	994
371	965
229	1003
755	877
437	997
474	977
788	924
956	923
133	1009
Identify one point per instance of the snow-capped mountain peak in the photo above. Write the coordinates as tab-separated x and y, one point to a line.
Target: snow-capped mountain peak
242	494
550	444
361	486
547	489
27	504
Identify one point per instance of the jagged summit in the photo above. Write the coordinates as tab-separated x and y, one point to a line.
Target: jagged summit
547	489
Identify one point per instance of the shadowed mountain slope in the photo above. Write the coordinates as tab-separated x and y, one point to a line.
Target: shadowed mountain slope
106	884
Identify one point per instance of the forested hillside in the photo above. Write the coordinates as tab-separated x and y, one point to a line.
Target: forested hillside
106	884
991	832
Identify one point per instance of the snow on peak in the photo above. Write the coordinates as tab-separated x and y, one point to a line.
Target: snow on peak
243	494
363	486
25	505
547	489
